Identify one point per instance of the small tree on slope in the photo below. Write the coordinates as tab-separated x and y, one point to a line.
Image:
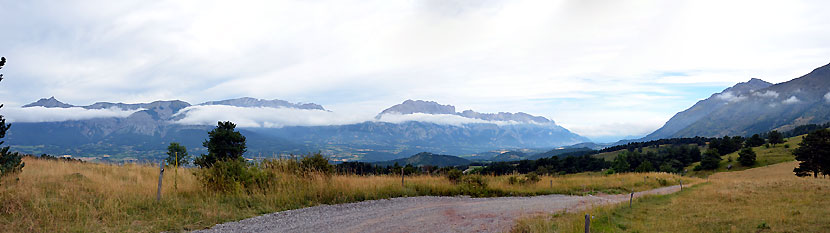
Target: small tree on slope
746	157
813	154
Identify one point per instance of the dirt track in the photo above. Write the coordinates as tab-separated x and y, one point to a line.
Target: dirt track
422	214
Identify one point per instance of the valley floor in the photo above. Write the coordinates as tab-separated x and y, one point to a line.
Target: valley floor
763	199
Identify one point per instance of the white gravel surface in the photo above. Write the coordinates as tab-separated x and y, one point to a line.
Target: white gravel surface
422	214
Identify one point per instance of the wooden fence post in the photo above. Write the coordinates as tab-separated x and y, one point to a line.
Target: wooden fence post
402	177
630	199
176	171
587	223
681	185
161	175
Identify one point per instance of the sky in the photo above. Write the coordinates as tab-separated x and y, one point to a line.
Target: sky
606	70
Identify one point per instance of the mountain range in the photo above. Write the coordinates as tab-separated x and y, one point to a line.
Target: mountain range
144	134
753	107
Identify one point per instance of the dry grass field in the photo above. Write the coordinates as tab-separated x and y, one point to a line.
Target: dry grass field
58	196
763	199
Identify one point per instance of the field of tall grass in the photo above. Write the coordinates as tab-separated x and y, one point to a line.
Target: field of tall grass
763	199
61	196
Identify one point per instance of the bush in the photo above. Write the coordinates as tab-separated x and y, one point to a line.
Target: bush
316	163
529	178
234	176
473	185
787	146
454	175
662	182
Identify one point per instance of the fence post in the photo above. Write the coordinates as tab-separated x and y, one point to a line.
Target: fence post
402	177
176	171
630	199
587	223
551	183
161	175
681	185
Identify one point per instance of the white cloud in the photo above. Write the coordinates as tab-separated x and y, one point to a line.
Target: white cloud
766	94
791	100
264	117
282	117
42	114
729	97
827	97
508	53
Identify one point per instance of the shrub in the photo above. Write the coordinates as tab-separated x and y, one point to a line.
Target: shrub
473	185
787	146
316	163
662	182
234	176
513	180
454	175
529	178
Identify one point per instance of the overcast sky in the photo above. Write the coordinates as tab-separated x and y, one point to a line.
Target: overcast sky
603	69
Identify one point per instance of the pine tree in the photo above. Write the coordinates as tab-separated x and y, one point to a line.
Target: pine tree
711	160
9	162
775	137
746	157
177	151
224	143
813	154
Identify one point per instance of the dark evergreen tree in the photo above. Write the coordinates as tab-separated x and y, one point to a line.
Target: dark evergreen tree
711	160
755	141
813	154
775	137
9	162
177	151
746	157
224	143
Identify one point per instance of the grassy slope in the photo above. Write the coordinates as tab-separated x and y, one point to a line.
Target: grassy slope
742	201
53	196
737	201
610	156
765	156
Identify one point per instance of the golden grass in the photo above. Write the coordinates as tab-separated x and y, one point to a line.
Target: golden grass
56	196
742	201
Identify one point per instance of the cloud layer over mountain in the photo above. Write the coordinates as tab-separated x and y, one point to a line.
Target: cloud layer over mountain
263	116
42	114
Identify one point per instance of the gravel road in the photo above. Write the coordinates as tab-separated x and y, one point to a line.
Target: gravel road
422	214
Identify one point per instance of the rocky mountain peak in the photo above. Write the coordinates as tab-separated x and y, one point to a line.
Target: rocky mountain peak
432	107
751	85
254	102
51	102
420	106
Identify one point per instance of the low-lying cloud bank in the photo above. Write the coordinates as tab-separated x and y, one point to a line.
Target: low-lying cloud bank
264	117
42	114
